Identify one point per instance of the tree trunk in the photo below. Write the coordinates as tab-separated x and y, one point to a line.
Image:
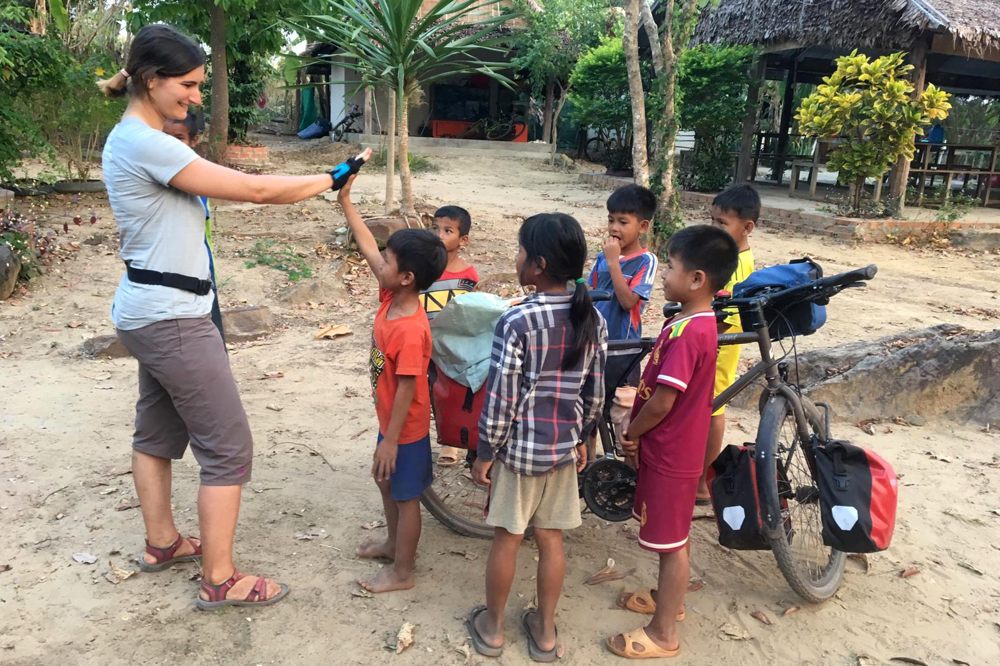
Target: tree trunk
390	155
901	171
555	124
368	110
653	33
39	22
218	133
407	206
640	159
744	164
550	92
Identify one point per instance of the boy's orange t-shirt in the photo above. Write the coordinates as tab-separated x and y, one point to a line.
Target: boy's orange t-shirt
401	348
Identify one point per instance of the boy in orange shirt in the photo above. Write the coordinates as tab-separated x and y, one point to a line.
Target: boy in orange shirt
400	354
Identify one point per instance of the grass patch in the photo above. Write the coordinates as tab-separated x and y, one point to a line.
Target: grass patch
280	257
418	163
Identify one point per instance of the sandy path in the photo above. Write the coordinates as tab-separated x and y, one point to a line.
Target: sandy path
66	424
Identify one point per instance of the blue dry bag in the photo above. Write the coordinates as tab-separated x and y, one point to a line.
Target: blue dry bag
785	318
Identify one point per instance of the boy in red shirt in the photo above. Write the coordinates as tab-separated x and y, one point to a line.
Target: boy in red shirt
452	225
400	354
669	431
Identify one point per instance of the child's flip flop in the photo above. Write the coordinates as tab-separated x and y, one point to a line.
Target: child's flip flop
534	651
478	642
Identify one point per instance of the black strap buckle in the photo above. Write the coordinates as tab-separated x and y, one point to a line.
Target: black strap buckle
173	280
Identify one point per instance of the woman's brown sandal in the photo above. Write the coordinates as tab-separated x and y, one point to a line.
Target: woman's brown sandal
165	557
256	597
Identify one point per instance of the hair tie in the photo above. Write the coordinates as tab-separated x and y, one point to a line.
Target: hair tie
580	280
124	73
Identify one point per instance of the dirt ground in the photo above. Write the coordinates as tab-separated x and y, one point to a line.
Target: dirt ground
67	422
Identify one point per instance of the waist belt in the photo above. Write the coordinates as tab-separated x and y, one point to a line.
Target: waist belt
174	280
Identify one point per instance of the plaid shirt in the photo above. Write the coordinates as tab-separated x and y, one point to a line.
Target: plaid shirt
535	411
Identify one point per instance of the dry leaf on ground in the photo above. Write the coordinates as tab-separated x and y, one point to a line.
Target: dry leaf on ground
788	611
84	558
860	558
695	584
5	567
733	632
909	660
116	574
404	638
333	331
762	617
374	525
311	535
362	593
909	571
127	503
607	574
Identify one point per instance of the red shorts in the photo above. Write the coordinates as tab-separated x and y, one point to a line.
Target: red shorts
663	507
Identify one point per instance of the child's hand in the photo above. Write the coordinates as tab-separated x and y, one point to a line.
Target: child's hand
481	471
581	456
612	249
630	447
384	465
344	193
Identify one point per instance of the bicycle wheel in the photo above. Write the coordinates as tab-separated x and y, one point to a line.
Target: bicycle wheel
786	472
457	501
502	131
597	150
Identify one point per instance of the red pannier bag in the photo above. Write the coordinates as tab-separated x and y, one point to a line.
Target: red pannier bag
732	482
456	411
857	496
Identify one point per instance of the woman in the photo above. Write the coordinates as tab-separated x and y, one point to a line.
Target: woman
161	312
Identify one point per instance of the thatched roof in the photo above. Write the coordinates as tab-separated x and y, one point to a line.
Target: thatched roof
972	25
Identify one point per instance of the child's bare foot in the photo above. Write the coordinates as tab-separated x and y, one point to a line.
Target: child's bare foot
374	549
387	579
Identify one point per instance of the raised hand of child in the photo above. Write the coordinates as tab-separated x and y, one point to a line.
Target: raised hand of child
612	249
342	173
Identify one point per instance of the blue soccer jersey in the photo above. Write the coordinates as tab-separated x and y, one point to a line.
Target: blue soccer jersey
639	270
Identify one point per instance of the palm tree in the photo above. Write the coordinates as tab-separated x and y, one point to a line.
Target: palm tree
399	46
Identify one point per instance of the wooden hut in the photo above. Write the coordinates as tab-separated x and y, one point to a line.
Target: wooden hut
954	44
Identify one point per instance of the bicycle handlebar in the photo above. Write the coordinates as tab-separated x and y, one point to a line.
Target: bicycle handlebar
816	290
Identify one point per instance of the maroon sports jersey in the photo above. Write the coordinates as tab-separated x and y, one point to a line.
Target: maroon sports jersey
683	358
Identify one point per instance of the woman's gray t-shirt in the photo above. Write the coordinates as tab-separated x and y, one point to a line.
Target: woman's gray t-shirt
161	228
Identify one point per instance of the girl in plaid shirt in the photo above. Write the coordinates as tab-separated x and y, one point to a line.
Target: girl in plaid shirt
545	387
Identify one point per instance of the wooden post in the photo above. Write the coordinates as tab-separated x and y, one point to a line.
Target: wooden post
901	172
744	164
786	122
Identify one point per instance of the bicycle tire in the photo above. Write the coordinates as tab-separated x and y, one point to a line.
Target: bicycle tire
456	501
500	132
596	150
814	570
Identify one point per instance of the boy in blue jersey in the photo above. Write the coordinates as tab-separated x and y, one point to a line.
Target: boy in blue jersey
627	270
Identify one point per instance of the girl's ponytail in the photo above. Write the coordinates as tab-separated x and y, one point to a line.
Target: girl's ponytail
584	319
558	239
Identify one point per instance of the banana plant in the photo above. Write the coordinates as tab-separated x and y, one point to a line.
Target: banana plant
405	46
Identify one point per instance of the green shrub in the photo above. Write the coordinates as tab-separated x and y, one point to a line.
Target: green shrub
711	83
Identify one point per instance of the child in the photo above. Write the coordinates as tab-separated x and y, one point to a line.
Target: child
400	354
627	270
669	429
188	131
735	211
546	386
452	224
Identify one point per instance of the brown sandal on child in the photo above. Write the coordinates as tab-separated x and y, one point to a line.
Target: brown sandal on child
644	603
448	456
638	645
165	556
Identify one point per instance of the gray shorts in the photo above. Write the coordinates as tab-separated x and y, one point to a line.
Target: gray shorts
187	394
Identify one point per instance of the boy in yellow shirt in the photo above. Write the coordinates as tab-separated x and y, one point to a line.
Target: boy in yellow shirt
736	211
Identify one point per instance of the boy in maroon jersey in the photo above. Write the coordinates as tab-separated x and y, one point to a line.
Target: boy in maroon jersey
669	430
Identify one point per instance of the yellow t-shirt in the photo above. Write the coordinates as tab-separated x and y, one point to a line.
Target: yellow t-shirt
743	270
